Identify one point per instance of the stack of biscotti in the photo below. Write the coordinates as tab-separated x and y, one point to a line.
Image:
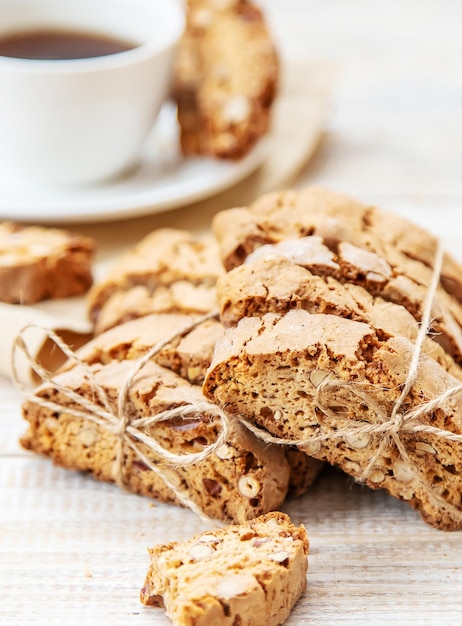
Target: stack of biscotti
37	263
225	78
173	271
241	479
323	302
251	574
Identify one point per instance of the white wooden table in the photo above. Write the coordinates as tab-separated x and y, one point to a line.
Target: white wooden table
73	551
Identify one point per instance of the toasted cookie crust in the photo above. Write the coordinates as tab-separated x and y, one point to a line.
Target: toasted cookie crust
389	256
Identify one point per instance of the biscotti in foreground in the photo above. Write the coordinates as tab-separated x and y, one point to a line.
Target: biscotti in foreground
319	379
37	263
188	355
250	574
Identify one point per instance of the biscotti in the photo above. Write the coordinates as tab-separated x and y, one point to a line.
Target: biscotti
225	78
384	253
318	379
250	574
325	298
187	354
37	263
169	271
239	480
304	273
336	217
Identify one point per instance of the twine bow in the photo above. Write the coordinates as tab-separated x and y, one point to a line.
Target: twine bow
129	430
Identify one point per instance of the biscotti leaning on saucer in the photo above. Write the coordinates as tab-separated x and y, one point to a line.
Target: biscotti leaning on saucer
239	480
168	271
225	78
323	309
37	263
250	574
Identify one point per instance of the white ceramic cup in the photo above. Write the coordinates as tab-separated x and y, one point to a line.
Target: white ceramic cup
83	120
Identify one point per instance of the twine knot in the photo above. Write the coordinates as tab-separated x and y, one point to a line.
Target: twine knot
396	424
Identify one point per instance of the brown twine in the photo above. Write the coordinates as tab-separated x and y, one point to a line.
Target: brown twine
390	426
129	430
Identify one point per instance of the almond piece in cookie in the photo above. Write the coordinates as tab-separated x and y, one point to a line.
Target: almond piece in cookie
250	574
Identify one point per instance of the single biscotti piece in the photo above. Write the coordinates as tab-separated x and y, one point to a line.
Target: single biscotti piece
169	271
335	217
250	574
303	377
37	263
382	252
188	355
181	296
225	78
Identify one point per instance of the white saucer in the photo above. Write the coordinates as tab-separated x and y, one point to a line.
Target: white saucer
164	180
